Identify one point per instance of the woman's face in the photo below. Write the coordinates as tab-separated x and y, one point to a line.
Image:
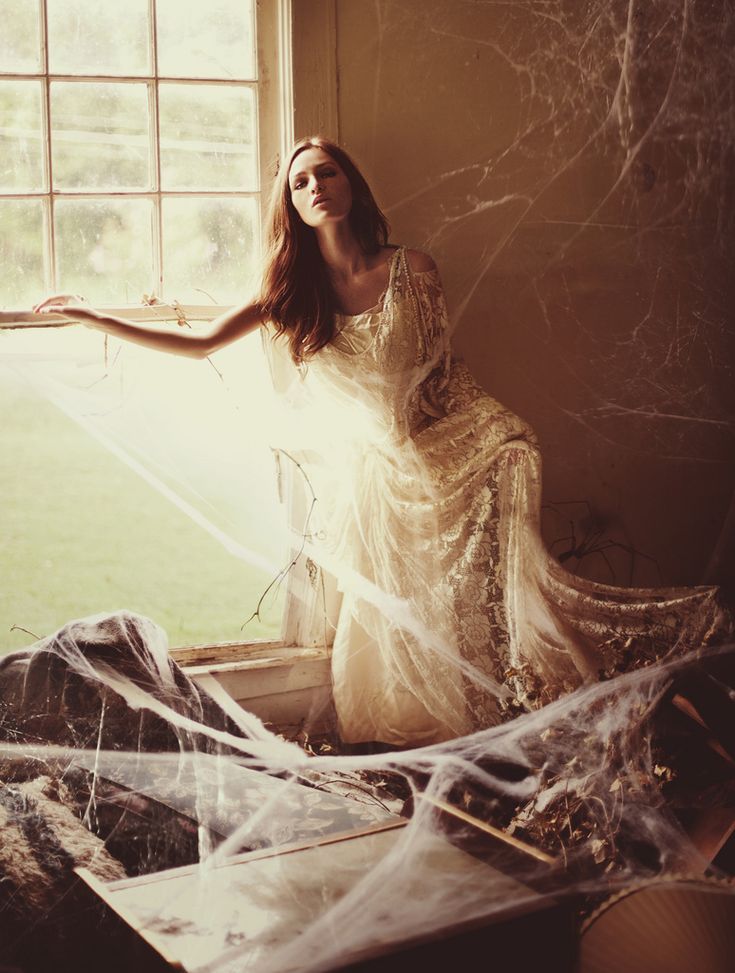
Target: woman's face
320	191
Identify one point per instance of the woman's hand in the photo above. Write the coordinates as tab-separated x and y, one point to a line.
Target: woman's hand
71	305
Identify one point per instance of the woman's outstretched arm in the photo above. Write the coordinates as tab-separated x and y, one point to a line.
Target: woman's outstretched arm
228	327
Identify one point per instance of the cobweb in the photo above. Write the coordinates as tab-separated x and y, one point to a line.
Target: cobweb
600	169
307	857
113	759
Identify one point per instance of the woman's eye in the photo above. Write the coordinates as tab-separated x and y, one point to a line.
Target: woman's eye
324	174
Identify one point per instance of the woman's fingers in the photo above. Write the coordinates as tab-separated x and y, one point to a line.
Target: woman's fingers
54	299
57	301
79	312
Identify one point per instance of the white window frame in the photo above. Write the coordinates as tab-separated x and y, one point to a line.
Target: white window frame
272	107
297	96
308	94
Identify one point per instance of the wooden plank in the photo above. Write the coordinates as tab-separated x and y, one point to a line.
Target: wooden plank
262	677
196	916
128	916
283	685
215	653
247	856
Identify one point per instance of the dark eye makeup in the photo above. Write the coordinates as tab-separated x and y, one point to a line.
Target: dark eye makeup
323	173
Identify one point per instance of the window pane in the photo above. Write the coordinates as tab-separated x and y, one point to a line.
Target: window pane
22	282
20	48
90	37
209	249
207	137
104	248
99	136
205	38
21	139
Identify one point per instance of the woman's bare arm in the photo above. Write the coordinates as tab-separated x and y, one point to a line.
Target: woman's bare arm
228	327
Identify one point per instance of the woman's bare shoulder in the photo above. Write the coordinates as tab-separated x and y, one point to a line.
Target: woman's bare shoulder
420	262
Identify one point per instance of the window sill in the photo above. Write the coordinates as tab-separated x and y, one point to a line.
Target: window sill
23	318
212	654
288	687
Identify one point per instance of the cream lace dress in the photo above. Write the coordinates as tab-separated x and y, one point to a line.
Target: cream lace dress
453	614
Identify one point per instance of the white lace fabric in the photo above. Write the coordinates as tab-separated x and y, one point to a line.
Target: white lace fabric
454	616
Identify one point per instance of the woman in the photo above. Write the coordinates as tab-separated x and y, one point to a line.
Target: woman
453	615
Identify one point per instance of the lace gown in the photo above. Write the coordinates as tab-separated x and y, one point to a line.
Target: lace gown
453	614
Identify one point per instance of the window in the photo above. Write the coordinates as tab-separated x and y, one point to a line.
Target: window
131	148
135	140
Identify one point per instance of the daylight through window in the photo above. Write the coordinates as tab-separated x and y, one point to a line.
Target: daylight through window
133	141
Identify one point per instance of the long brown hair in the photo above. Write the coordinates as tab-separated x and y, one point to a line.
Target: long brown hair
296	292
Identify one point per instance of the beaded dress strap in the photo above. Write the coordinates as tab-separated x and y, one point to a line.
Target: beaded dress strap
418	317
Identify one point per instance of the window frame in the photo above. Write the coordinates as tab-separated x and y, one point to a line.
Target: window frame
271	108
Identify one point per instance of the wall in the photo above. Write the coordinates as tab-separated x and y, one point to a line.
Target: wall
567	165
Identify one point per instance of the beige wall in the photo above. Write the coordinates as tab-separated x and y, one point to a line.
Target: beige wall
566	164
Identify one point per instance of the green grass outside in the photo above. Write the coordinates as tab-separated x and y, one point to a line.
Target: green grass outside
81	533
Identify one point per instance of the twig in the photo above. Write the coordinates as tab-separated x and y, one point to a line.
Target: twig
19	628
350	783
489	829
294	560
